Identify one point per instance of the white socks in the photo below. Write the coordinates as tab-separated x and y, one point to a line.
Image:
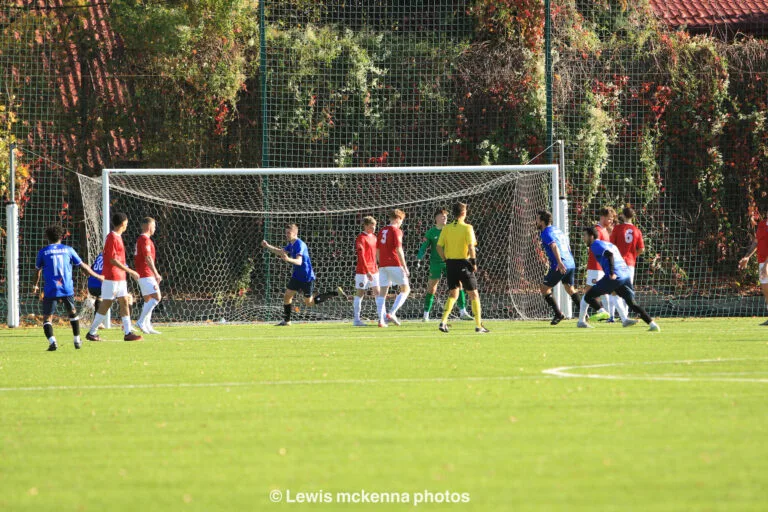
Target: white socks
356	304
583	307
621	307
399	301
126	325
381	307
98	319
146	311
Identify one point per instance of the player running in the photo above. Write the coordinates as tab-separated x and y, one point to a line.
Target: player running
393	271
760	245
115	285
437	267
594	272
456	247
562	266
629	240
303	277
366	272
149	277
616	279
54	263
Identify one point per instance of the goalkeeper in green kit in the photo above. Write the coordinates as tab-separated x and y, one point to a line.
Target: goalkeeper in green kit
437	267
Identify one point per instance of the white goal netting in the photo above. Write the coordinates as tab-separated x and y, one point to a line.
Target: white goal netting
209	228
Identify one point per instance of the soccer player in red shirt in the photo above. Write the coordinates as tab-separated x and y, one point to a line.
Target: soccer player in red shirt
393	270
761	246
366	272
149	278
115	285
594	271
629	240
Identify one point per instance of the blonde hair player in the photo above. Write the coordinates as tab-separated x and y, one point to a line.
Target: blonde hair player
366	272
393	270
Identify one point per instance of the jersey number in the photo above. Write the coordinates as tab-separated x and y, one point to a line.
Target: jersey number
384	236
58	264
629	236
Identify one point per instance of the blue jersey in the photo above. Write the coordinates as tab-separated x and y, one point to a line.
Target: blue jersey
56	262
302	273
600	249
550	235
98	267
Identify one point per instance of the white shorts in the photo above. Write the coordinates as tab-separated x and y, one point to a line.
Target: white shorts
363	283
392	276
593	276
762	280
148	285
111	290
631	274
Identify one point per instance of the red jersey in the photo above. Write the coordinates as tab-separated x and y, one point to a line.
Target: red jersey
762	242
629	239
144	247
114	250
390	240
602	234
365	248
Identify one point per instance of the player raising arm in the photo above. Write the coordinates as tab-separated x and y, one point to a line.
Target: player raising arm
115	285
437	267
629	240
456	246
366	272
616	279
760	245
54	263
149	277
393	270
562	267
303	276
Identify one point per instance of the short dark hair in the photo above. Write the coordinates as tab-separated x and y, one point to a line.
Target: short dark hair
628	213
545	217
118	218
54	233
441	211
592	231
459	209
292	225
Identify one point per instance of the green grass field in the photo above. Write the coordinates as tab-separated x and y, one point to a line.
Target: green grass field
216	418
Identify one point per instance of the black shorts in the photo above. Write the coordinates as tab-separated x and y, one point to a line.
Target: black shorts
50	303
297	286
554	277
96	292
459	272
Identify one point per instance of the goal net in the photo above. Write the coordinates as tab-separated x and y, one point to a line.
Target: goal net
210	224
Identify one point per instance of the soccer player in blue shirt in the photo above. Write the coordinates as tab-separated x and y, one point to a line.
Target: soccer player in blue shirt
617	279
303	277
94	285
54	263
562	267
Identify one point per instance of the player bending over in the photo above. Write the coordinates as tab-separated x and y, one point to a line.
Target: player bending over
366	272
760	245
54	263
562	266
115	285
594	271
616	280
303	277
629	240
456	247
149	277
393	270
437	267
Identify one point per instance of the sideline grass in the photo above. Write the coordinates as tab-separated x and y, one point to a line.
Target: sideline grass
215	418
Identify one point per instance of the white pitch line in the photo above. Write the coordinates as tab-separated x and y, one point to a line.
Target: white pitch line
566	372
270	383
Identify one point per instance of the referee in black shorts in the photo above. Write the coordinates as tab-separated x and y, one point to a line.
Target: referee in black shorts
456	246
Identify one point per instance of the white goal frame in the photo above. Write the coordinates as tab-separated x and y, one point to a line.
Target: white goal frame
559	205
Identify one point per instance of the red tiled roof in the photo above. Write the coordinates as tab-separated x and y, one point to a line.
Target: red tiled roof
702	14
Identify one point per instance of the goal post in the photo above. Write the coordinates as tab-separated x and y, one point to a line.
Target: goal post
211	221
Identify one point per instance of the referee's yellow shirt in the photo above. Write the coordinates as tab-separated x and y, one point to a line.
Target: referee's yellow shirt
455	239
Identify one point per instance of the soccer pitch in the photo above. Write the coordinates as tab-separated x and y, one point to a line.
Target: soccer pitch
529	417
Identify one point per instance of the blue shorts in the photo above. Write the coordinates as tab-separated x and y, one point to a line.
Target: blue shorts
50	303
606	285
553	277
298	286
